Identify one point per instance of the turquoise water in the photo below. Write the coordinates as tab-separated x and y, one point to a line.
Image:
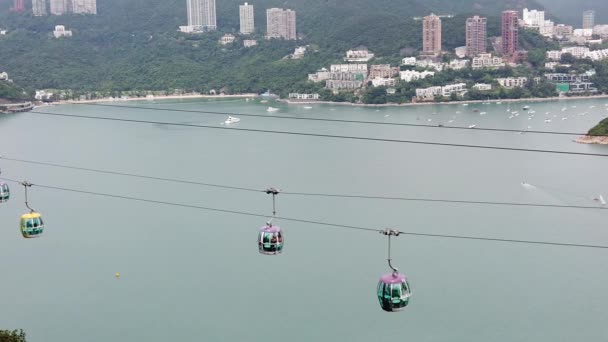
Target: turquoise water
196	275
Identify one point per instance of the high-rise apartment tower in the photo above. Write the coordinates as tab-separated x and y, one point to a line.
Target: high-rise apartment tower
39	7
246	18
201	15
510	33
476	35
84	6
18	6
588	19
281	23
431	35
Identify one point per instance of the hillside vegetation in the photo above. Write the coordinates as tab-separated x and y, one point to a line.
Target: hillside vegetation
134	44
600	129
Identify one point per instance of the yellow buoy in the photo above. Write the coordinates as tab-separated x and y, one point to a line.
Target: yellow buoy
117	275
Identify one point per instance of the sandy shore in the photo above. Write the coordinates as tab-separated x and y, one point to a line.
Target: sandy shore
534	99
166	97
589	139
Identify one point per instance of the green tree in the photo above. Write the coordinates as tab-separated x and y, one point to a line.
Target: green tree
12	336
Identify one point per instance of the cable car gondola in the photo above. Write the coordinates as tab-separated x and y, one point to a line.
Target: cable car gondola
31	223
394	292
5	192
270	237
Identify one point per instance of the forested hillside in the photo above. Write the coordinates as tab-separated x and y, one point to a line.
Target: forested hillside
134	44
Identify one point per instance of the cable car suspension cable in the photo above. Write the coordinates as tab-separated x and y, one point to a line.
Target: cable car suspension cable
321	223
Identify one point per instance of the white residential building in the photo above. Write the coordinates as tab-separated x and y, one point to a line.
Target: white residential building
457	64
461	51
358	56
60	31
84	6
482	86
352	68
428	93
383	82
583	32
246	18
201	15
250	42
409	61
304	97
576	51
227	39
413	75
532	18
512	82
445	91
486	60
458	88
562	31
319	76
299	52
554	55
597	55
281	24
429	63
39	7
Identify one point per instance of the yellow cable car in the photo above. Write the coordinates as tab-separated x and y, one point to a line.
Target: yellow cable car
31	225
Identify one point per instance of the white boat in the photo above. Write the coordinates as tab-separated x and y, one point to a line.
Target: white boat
499	102
472	126
526	107
231	120
548	120
483	113
307	107
465	104
602	200
272	109
264	101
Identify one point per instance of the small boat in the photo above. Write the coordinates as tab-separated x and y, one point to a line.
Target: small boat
264	101
548	120
465	104
498	102
231	120
532	112
602	200
526	107
272	109
475	110
483	113
307	107
472	126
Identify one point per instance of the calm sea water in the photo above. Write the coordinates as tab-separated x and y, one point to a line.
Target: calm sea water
193	275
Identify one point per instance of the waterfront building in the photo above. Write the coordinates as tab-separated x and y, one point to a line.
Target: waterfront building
510	33
246	18
201	15
482	86
281	23
588	19
58	7
60	31
431	35
304	97
476	36
39	8
18	6
446	91
84	6
512	82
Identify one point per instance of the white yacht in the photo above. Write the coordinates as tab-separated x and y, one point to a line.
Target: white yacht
231	120
272	109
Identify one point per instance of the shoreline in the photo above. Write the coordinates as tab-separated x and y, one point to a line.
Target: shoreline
493	101
592	140
159	97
